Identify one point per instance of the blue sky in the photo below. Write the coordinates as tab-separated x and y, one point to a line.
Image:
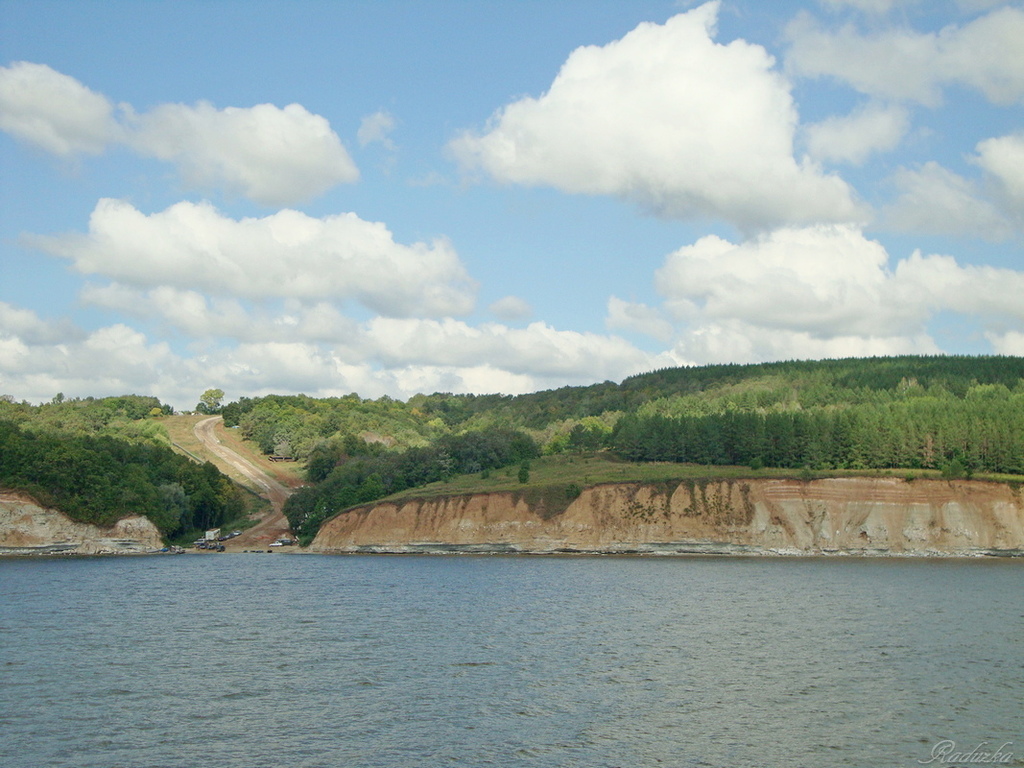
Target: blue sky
401	197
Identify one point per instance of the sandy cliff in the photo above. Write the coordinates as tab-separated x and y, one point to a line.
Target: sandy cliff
27	528
758	516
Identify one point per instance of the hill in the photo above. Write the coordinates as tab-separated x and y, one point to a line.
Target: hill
99	461
956	415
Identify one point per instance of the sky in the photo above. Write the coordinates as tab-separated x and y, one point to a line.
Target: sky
390	197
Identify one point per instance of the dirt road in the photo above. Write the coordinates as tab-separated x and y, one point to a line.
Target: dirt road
274	525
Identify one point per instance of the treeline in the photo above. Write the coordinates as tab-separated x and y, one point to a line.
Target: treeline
358	472
957	413
983	431
954	373
128	417
295	425
100	479
816	381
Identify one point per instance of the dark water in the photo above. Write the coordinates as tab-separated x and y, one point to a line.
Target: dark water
271	660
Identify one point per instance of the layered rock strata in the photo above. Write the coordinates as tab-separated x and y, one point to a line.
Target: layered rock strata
27	528
861	516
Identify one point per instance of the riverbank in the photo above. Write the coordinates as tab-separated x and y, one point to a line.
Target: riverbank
26	528
783	517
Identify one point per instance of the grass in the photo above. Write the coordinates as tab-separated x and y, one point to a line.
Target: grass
182	437
552	477
180	429
555	480
288	473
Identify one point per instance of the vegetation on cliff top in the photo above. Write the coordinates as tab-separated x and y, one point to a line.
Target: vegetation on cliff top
951	415
98	460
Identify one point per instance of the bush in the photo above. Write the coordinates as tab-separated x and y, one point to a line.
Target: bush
524	473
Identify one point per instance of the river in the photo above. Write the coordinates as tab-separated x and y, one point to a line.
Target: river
245	661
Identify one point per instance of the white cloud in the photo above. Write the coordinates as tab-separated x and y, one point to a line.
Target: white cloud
825	280
638	318
734	341
27	325
878	7
822	291
54	112
270	155
376	128
1010	343
285	255
899	64
938	282
511	308
114	360
1003	159
872	128
382	356
201	317
538	350
936	200
671	120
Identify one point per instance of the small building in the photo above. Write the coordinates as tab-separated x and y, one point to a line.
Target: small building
212	535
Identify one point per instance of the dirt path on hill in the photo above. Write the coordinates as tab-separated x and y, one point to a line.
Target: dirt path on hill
274	525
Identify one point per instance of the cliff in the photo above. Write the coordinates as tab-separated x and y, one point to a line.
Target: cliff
862	516
27	528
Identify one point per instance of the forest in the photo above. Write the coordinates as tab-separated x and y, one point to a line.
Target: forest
98	460
958	415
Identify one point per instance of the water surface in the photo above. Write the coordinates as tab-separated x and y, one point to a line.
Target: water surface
272	660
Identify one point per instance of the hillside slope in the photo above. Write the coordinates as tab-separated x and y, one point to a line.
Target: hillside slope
866	516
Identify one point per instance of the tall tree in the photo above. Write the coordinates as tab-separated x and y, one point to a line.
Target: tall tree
210	401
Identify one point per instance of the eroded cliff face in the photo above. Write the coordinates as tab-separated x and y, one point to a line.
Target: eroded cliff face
27	528
870	516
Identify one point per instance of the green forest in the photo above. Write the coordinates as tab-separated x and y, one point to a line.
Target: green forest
98	460
960	416
952	416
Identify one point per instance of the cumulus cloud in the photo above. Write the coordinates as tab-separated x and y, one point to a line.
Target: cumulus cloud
1003	159
270	155
671	120
511	308
818	280
903	65
938	282
396	357
537	350
1009	343
933	199
202	317
872	128
734	341
637	318
377	128
54	112
821	291
867	6
285	255
109	361
27	325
